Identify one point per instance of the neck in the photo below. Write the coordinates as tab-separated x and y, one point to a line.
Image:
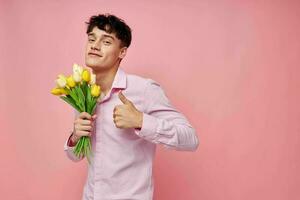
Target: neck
105	78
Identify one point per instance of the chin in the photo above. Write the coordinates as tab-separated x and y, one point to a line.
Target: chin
95	66
92	63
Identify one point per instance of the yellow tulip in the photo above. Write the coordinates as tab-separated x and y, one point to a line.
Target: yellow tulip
86	75
95	90
77	69
70	81
59	91
56	91
77	73
77	77
93	79
63	91
61	81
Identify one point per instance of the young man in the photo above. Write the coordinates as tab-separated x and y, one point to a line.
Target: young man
132	116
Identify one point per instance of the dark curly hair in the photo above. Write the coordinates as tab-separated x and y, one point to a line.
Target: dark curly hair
111	24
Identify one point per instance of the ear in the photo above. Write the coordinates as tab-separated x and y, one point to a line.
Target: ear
122	53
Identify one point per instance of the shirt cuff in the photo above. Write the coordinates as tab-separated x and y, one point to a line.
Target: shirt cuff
70	152
66	146
149	127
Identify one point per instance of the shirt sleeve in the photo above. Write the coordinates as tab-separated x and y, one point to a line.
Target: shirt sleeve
70	150
164	124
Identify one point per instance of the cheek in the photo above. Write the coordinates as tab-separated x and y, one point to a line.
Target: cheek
87	48
111	53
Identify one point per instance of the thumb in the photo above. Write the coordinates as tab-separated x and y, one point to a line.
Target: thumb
123	98
94	117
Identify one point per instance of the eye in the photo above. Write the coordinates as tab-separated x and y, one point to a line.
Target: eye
91	40
106	42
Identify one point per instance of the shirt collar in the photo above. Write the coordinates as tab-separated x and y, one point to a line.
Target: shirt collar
120	79
120	82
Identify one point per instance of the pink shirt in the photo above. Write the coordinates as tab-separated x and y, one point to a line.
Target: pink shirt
122	164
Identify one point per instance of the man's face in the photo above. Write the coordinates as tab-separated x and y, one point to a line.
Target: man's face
103	50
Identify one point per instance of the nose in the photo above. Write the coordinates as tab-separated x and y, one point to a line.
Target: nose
96	46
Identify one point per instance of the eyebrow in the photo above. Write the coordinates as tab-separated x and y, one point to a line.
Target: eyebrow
105	35
91	34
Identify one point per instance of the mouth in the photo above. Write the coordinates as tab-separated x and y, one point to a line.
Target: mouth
94	54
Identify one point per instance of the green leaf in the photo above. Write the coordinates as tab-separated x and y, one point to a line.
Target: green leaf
76	149
82	143
94	105
81	96
79	100
84	147
83	87
74	96
88	150
70	101
88	100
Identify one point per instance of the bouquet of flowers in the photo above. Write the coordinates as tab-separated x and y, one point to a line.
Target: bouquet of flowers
81	92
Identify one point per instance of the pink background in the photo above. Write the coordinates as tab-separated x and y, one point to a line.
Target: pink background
232	67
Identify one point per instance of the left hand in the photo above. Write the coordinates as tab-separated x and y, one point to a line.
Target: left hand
126	115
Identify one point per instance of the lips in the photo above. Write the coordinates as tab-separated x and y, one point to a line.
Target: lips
94	54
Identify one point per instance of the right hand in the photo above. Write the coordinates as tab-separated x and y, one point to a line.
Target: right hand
83	125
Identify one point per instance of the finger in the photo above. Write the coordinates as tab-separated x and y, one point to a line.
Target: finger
85	115
93	119
123	98
85	128
83	133
118	109
85	122
94	116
